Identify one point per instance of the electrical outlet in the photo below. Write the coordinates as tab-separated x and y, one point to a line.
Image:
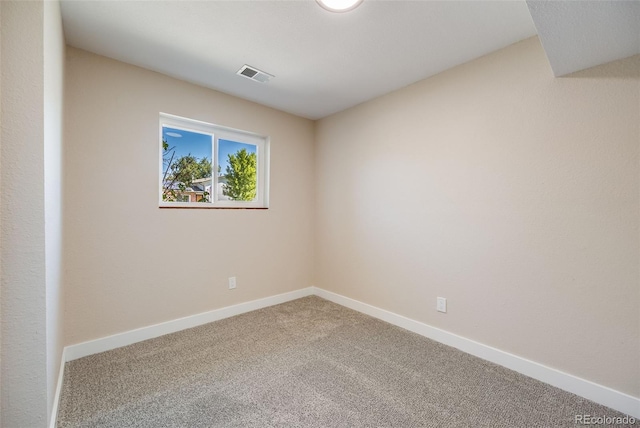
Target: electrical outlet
441	304
232	282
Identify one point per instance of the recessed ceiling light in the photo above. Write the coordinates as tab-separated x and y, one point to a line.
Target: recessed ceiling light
339	5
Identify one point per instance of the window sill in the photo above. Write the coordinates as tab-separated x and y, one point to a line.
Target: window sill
212	208
207	206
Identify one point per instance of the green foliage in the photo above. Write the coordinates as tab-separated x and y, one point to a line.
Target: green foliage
188	168
181	173
241	176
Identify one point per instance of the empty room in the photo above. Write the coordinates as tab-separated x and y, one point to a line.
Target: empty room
319	213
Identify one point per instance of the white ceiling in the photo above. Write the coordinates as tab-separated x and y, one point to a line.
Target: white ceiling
323	62
582	34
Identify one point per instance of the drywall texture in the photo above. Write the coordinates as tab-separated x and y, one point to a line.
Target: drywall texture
1	215
512	193
22	253
54	59
130	264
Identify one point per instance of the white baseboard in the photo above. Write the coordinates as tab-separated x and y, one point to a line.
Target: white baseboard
56	398
592	391
103	344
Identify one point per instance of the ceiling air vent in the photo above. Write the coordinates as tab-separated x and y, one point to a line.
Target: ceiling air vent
254	74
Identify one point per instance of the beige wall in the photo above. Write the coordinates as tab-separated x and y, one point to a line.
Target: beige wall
130	264
54	58
1	215
513	194
23	390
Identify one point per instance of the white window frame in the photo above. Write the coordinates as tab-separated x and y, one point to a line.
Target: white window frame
218	132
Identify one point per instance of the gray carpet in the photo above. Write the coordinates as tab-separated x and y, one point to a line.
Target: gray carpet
306	363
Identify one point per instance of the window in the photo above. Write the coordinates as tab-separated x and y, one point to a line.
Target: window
210	166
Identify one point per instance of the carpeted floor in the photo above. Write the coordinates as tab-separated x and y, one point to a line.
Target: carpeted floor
306	363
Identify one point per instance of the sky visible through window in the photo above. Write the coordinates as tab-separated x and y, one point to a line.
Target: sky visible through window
199	145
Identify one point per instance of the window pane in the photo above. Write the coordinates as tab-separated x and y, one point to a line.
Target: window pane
237	173
186	166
